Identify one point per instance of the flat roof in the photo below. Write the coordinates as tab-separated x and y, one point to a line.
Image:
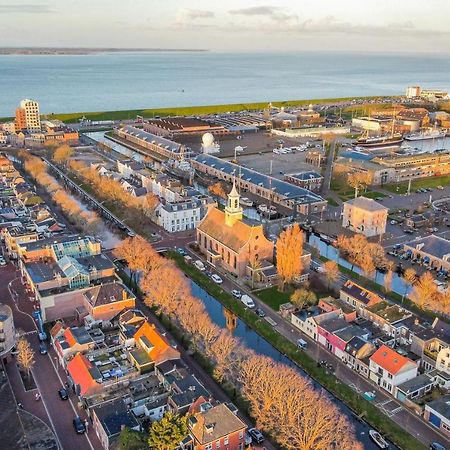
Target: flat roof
152	138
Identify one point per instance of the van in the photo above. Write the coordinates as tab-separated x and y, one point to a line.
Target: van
247	301
187	259
302	344
200	266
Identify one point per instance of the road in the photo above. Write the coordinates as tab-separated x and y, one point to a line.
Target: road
56	413
387	404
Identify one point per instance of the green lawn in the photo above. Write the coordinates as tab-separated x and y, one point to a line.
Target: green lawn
184	110
273	297
434	182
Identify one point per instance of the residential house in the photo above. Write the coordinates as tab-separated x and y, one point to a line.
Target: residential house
84	377
437	413
151	348
109	419
432	344
328	304
357	296
389	369
307	320
70	341
357	353
415	387
216	427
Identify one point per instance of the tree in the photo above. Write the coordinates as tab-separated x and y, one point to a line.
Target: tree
303	297
387	281
358	180
367	265
331	272
425	290
289	255
25	356
409	277
444	301
167	433
62	154
218	189
132	440
254	263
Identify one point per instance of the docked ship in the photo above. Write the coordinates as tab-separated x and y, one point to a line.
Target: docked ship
379	141
423	135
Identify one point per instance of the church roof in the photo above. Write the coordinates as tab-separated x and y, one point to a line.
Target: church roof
234	237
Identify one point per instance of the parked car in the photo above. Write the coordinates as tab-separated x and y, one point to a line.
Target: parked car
2	261
441	188
216	279
302	343
200	266
436	446
79	425
235	293
63	394
181	251
259	312
247	301
256	435
42	348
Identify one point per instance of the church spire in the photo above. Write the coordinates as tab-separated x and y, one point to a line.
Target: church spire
233	210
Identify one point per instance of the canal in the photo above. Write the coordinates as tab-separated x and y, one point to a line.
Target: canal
221	317
328	251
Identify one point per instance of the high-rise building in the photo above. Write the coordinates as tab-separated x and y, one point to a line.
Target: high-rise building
27	116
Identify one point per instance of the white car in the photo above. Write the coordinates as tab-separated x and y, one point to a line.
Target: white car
200	265
2	261
247	301
216	279
235	293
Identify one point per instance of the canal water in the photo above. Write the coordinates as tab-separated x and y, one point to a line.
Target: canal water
398	285
219	315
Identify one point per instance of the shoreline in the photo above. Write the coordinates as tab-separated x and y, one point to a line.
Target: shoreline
55	51
128	114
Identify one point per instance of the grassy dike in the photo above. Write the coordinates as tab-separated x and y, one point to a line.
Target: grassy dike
358	404
186	110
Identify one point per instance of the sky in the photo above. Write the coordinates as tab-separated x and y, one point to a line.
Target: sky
230	25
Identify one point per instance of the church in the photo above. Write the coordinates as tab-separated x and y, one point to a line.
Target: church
231	242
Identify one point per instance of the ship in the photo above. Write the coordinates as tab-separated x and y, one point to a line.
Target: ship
380	141
423	135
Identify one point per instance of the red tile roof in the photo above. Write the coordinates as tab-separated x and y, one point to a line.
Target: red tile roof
69	337
390	360
78	369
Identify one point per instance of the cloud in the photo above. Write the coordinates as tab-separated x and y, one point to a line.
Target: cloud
39	8
188	18
273	13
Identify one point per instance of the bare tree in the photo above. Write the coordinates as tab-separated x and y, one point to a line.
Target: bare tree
25	356
289	255
303	297
425	290
331	272
409	277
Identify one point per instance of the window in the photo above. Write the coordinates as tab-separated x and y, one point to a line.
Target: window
241	434
218	444
208	447
225	440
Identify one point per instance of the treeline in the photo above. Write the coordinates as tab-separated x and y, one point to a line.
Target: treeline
85	220
136	210
282	402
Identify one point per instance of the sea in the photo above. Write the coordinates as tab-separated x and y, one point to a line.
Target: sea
113	81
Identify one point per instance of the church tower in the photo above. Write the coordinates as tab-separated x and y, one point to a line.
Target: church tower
233	210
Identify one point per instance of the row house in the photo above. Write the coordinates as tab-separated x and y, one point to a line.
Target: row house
358	296
388	369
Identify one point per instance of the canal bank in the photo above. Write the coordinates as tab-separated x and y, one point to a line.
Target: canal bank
355	405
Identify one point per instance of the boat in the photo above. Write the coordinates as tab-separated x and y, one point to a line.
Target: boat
378	439
424	135
379	141
245	201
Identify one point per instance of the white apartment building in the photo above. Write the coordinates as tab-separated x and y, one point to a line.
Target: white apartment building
32	117
7	332
389	369
180	216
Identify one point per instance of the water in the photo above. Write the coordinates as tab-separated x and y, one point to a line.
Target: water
68	83
398	285
255	342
